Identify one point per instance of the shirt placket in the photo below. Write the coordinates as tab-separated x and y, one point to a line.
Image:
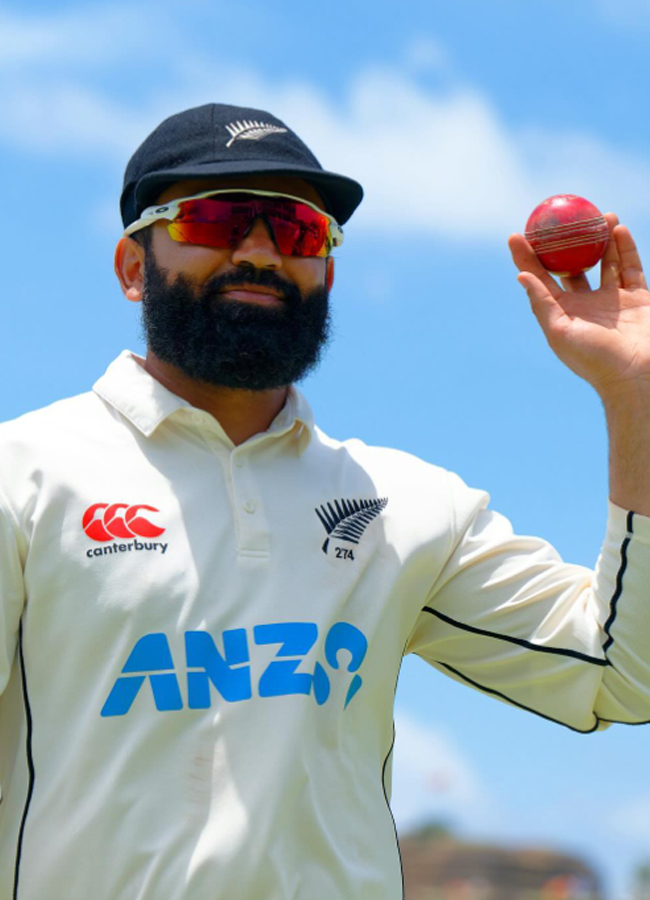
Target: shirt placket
244	489
253	537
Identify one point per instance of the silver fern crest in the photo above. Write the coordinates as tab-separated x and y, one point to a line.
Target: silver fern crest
348	519
250	131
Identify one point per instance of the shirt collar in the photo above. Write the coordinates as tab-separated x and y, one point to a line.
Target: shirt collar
133	392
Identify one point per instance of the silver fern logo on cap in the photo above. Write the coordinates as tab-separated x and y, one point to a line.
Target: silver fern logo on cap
250	131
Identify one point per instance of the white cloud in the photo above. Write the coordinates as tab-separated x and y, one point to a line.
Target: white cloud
93	36
433	780
433	161
440	163
69	119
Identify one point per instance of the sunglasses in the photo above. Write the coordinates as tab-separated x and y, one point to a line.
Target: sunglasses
221	219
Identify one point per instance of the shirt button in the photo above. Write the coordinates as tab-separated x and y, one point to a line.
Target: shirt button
197	418
250	506
239	462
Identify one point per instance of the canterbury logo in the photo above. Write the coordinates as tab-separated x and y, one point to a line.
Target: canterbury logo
348	519
107	521
251	131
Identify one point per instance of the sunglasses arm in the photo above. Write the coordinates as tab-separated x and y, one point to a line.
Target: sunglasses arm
150	215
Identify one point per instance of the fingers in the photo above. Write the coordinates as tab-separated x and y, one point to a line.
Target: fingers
621	265
610	266
576	283
632	276
544	305
525	258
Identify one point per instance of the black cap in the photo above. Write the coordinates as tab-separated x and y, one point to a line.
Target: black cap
216	139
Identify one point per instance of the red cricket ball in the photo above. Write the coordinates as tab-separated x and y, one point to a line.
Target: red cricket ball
568	234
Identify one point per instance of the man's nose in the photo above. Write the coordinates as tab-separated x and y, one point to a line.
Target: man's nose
257	248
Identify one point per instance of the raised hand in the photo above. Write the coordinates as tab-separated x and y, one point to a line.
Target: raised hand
602	335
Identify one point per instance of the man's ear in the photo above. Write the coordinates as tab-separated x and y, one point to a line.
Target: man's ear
129	268
329	273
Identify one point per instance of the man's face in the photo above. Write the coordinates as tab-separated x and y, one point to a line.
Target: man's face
246	317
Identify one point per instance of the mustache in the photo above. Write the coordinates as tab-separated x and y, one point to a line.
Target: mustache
289	293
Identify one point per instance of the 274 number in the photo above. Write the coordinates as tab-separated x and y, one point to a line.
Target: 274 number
344	553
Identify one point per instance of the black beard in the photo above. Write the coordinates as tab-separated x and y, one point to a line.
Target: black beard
231	343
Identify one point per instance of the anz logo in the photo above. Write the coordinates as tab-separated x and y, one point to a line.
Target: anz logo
229	673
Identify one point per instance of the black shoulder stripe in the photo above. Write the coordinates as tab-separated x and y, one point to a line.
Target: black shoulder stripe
383	783
30	762
619	722
619	583
594	660
496	693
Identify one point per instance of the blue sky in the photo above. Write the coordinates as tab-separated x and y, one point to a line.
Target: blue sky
458	119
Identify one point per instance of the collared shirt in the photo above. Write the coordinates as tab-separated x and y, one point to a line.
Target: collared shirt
199	644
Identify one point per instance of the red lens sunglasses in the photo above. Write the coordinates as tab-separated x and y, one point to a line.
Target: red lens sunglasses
221	219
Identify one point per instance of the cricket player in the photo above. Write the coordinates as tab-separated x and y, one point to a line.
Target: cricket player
205	600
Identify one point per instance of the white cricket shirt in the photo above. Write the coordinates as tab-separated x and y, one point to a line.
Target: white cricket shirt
200	645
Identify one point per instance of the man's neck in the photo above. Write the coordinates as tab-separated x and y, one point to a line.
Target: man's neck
240	413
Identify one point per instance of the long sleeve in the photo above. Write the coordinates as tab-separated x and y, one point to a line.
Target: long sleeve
507	616
12	591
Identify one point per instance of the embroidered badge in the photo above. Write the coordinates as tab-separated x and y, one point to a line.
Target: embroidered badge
251	131
347	520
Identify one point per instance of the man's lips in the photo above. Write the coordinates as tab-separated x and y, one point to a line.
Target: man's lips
253	293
